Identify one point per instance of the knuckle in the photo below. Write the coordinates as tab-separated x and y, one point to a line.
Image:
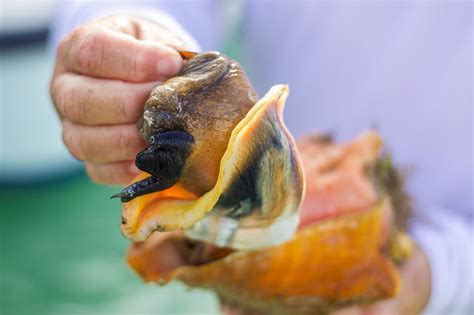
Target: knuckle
70	103
60	95
130	105
125	143
54	90
90	49
77	107
119	103
142	66
73	100
65	43
134	65
93	173
72	142
86	149
65	97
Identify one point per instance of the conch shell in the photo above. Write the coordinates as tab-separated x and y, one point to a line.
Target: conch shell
345	252
221	165
226	167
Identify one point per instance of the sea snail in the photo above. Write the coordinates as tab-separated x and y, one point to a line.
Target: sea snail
219	164
350	239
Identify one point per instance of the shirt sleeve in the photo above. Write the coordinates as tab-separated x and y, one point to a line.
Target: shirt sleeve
196	23
446	238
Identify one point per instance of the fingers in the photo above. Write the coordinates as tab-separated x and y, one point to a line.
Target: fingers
98	51
92	101
119	173
102	144
104	73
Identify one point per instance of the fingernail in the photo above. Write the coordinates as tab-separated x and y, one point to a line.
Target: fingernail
169	65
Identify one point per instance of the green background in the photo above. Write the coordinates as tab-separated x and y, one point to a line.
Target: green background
63	253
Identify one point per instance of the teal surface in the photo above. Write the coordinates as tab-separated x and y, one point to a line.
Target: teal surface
62	253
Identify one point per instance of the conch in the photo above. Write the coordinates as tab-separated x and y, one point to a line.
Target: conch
345	252
219	164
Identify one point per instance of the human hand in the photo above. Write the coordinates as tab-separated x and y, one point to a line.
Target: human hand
103	75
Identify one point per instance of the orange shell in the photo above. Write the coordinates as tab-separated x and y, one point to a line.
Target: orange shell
326	265
261	145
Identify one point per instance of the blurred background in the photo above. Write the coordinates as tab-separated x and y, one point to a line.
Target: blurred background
61	248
